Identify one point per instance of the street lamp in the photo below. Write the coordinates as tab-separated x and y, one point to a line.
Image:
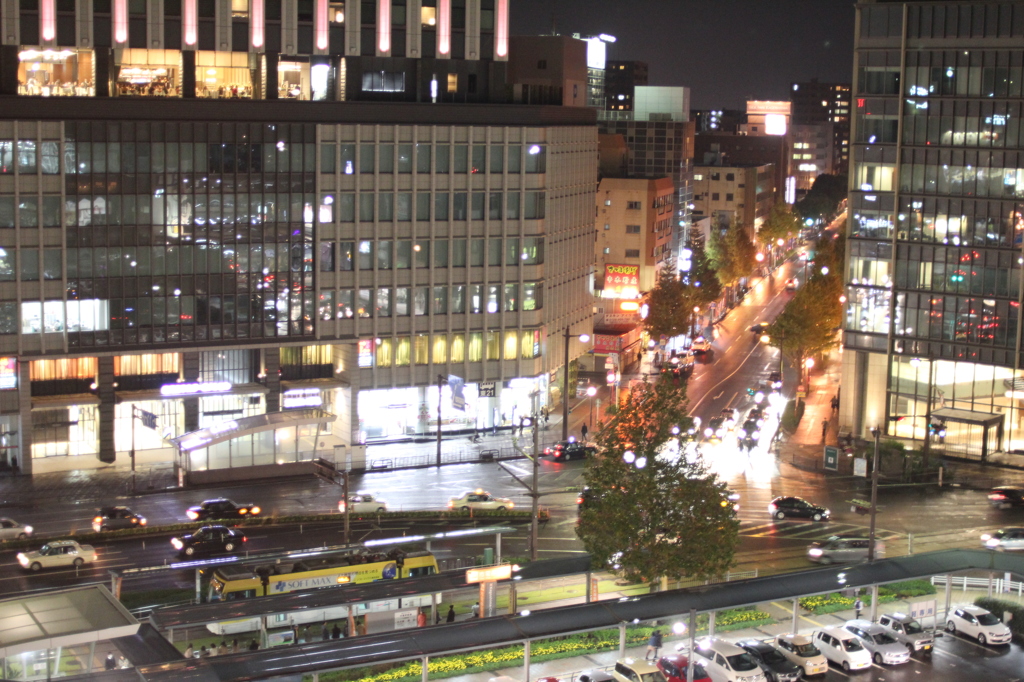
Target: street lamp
693	323
877	433
565	398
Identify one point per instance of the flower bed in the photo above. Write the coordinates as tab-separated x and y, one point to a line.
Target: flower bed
830	603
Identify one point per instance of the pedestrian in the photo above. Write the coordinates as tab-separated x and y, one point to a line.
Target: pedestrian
583	431
123	663
824	428
522	424
437	616
110	663
421	619
190	652
325	633
639	357
14	466
450	618
212	651
254	645
204	652
476	610
858	606
336	632
222	650
234	646
653	645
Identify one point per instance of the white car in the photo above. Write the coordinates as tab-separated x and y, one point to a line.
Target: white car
843	648
726	662
633	670
12	530
479	499
56	554
1007	539
976	622
800	650
884	648
700	345
363	503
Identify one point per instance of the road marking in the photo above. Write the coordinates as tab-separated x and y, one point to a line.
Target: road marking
724	379
729	404
719	395
790	610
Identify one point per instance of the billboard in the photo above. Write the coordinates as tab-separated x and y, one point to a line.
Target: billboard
621	281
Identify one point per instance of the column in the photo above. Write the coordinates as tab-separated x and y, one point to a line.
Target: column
9	69
25	428
272	372
272	60
188	74
190	372
108	401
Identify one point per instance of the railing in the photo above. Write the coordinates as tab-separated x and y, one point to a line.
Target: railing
993	585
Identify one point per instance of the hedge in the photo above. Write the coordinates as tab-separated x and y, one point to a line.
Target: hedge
998	606
831	603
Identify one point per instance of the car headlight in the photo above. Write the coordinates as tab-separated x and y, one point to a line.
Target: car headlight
986	537
22	559
992	542
177	543
142	521
28	530
511	504
192	515
814	551
254	510
708	432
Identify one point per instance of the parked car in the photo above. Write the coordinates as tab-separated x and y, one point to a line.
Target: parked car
726	662
777	667
843	549
363	503
595	676
883	646
797	507
1007	539
221	508
57	554
979	623
12	530
209	540
907	631
700	345
1006	497
634	670
479	499
674	668
716	429
842	648
800	650
117	518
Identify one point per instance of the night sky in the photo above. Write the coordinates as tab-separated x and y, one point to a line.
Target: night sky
725	51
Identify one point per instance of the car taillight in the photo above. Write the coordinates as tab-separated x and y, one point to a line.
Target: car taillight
997	496
142	522
243	511
254	510
772	507
245	539
451	505
579	499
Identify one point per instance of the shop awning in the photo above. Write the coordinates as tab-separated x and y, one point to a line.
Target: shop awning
61	619
235	428
967	416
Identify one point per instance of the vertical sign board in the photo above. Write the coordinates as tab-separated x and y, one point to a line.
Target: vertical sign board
594	588
831	458
922	609
487	389
8	373
860	467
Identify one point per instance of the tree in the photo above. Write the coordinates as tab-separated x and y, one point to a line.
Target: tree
701	277
824	197
780	224
733	255
647	521
807	326
668	312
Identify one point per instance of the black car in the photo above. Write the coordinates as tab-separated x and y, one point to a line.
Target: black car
775	380
797	507
775	666
749	428
221	508
569	449
716	428
116	518
209	540
757	415
1006	497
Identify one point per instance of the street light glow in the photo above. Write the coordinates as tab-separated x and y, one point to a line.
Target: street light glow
759	257
591	391
584	338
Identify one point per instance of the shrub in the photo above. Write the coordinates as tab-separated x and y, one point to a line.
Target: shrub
908	589
830	603
999	606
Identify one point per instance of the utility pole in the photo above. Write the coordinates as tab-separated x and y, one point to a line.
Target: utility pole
348	504
440	389
534	493
877	433
565	391
926	450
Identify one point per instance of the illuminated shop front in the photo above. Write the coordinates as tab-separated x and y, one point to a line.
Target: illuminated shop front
225	75
402	412
151	73
56	73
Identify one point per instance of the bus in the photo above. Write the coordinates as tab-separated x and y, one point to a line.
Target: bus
234	581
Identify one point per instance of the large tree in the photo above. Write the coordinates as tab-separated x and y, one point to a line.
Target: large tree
670	518
668	309
701	277
807	326
781	223
824	197
733	255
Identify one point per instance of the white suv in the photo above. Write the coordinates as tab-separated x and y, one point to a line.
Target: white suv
975	621
843	649
726	662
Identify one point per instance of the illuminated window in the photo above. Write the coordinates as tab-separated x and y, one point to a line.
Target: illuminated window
421	349
337	13
494	345
453	82
384	347
511	345
66	368
440	353
240	8
428	16
476	347
154	363
458	348
403	348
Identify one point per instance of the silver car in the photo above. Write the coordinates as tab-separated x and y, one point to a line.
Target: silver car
908	631
1005	540
843	549
883	647
12	530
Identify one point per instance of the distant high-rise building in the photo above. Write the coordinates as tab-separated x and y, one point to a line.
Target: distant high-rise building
620	81
828	103
933	325
718	120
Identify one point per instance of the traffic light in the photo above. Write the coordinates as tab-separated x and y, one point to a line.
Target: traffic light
750	391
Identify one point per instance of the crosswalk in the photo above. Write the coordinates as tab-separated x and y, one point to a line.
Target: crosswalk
808	530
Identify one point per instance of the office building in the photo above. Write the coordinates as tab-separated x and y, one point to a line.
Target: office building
826	103
813	153
747	150
728	193
620	81
273	279
933	327
634	234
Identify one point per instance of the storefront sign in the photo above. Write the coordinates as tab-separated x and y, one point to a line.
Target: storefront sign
302	397
8	373
623	281
606	343
195	388
456	384
487	389
366	353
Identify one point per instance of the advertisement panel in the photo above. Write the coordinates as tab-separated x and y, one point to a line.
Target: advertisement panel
623	281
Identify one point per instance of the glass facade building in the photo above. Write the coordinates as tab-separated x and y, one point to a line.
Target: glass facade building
933	329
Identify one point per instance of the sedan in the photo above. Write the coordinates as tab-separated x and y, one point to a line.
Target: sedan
1006	497
208	540
716	429
776	666
674	668
1007	539
569	449
796	507
363	503
221	508
117	518
12	530
700	345
479	499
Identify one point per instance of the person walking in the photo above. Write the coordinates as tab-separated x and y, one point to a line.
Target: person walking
325	632
824	428
110	663
476	610
254	645
858	606
653	645
583	431
450	618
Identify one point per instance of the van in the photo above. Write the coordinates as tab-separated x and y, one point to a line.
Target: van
843	549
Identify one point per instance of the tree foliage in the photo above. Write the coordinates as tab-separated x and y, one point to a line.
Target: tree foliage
667	311
781	223
824	197
702	278
672	517
732	254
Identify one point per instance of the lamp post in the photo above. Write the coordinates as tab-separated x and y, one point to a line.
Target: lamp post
693	323
877	433
565	398
440	387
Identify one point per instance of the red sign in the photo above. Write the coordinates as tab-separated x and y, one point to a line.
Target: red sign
623	280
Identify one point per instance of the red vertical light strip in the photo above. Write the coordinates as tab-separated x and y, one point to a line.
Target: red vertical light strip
120	21
384	25
501	30
257	23
191	22
444	26
48	19
320	28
